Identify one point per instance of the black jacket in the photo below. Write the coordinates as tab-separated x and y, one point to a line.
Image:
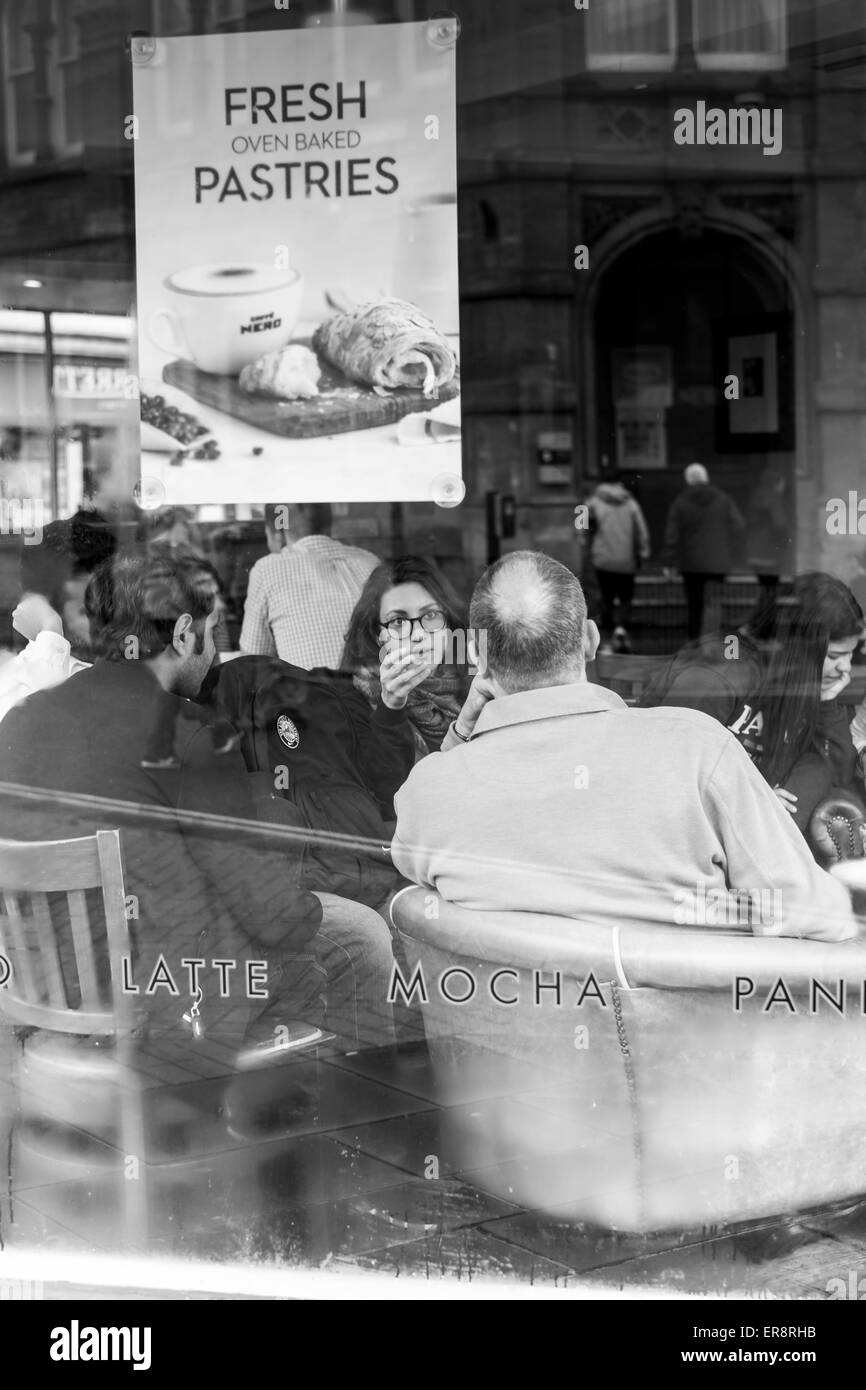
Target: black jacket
725	681
196	896
704	533
312	740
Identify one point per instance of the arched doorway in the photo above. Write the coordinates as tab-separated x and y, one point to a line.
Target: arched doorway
671	316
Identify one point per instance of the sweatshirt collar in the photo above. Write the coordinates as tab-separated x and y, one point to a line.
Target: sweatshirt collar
546	702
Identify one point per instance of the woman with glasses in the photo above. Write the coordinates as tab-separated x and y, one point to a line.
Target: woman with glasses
409	617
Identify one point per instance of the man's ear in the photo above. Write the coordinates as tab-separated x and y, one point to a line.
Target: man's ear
476	650
591	640
182	629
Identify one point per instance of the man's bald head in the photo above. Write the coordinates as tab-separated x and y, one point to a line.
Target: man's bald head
533	614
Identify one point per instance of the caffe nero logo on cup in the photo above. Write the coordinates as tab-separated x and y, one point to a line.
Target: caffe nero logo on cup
222	317
261	323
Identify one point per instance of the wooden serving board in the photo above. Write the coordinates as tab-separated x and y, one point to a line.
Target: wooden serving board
341	405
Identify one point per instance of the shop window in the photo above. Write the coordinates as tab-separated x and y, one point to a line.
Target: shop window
739	33
632	34
54	67
649	34
25	442
171	17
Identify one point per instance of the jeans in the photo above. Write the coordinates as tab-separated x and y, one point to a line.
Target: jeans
694	583
341	984
615	587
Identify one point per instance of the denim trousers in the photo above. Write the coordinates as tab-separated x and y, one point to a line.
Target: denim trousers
341	983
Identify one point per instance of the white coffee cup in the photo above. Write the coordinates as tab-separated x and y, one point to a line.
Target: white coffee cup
226	315
425	263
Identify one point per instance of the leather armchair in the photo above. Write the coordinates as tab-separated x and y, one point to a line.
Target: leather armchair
837	829
677	1078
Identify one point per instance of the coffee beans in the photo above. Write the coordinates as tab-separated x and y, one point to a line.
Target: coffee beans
184	428
208	450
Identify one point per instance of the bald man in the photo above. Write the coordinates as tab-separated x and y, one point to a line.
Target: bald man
551	795
704	539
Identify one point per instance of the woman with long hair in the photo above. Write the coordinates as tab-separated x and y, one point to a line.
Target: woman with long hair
775	685
409	613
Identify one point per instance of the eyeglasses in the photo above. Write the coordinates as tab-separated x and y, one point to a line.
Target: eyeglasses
432	621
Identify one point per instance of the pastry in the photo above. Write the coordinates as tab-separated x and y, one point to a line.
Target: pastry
290	373
387	344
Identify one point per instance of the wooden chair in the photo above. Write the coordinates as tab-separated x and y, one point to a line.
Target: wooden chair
72	994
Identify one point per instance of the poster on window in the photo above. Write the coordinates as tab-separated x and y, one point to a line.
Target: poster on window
297	295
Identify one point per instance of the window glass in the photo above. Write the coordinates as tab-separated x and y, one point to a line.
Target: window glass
310	314
740	31
625	32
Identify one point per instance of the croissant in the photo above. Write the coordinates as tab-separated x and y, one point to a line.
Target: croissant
289	373
387	344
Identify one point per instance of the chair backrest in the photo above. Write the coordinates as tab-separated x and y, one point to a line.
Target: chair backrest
63	959
625	675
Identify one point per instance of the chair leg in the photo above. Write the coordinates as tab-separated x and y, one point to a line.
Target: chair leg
134	1198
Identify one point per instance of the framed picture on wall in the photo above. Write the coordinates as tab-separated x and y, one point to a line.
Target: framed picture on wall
755	380
641	438
642	376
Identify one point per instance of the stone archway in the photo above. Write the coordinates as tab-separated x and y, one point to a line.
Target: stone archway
770	257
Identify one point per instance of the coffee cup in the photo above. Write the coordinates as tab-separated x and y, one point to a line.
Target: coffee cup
425	263
224	316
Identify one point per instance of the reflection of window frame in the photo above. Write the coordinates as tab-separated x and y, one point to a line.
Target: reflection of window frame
168	91
236	11
11	78
59	64
643	62
742	61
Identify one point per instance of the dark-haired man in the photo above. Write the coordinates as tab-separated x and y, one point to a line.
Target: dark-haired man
198	898
302	595
551	795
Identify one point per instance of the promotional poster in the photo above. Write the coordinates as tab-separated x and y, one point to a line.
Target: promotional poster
296	224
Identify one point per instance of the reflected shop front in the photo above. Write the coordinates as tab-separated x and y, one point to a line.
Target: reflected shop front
432	647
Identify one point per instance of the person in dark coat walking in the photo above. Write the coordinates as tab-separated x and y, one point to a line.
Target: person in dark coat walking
704	538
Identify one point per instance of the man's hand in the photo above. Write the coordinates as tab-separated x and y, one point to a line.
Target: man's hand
400	670
480	691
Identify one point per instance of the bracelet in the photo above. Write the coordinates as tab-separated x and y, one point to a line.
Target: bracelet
464	738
